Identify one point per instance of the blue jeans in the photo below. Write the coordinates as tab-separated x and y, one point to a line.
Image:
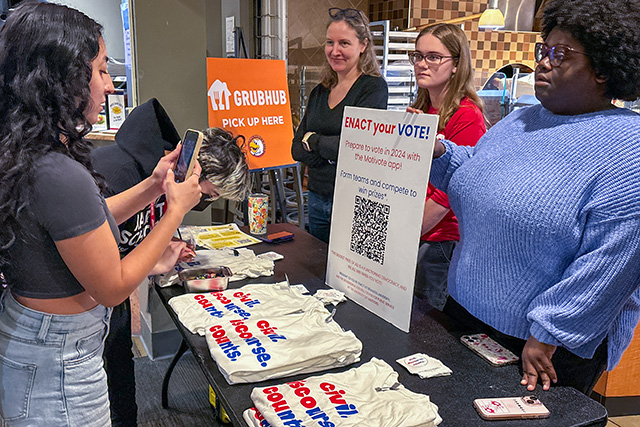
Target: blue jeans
320	216
51	366
432	270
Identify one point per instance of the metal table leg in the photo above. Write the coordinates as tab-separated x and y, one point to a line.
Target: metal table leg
167	375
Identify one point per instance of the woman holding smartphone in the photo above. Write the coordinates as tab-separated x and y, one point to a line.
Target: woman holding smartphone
57	233
442	63
351	76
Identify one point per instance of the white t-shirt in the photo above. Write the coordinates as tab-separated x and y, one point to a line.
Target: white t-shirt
199	311
265	346
366	396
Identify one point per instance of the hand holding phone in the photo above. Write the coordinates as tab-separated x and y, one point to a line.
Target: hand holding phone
510	408
489	350
191	144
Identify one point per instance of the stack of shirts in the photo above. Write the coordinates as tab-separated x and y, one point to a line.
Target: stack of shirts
198	311
263	348
259	332
369	395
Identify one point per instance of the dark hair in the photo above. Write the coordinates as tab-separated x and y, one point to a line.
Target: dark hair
367	63
46	52
608	31
223	163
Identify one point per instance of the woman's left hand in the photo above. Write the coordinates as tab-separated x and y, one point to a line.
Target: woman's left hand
169	258
536	362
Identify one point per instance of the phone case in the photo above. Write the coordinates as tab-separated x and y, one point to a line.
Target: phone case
489	350
505	408
281	236
187	159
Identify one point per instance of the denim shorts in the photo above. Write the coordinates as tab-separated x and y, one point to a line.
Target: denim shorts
51	369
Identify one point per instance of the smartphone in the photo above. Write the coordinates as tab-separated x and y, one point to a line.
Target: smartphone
489	350
188	154
511	408
280	236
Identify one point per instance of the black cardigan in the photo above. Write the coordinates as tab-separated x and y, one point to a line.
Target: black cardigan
368	92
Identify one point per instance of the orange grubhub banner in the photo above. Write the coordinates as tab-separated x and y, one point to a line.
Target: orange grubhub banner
250	97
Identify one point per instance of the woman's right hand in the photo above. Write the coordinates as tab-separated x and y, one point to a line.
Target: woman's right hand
183	196
414	110
166	163
438	149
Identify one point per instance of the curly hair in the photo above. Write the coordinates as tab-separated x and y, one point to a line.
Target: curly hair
367	63
461	83
46	51
223	163
608	31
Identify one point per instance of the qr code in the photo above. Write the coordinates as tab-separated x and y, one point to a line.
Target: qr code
369	229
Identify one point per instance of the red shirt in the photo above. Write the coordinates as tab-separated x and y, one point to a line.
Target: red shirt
465	127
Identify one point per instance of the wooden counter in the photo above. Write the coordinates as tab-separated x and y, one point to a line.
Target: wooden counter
620	388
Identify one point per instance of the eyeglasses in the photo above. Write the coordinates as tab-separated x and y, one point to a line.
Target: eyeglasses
556	54
336	12
430	58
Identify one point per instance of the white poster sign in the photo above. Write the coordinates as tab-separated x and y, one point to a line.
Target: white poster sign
381	184
230	41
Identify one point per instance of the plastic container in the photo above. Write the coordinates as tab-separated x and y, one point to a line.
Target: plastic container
205	279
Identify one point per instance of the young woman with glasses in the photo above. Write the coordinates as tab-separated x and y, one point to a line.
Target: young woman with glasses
549	204
58	234
442	64
351	77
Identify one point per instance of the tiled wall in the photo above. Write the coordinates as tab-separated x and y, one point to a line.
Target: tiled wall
490	49
307	31
396	11
308	20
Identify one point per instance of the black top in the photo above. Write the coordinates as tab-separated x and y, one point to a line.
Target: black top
140	144
64	202
368	92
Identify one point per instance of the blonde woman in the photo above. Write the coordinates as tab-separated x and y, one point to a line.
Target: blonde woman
351	77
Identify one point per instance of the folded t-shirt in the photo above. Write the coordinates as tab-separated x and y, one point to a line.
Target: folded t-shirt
266	346
199	311
366	396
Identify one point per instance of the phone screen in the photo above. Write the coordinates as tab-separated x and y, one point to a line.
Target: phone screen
186	153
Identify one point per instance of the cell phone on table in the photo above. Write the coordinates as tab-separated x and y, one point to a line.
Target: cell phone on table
280	236
191	144
489	350
511	408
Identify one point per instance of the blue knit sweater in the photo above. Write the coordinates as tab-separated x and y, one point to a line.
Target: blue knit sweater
549	213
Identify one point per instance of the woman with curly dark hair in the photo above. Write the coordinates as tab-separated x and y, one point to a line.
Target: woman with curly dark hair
57	233
549	203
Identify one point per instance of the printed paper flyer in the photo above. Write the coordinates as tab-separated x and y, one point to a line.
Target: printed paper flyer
381	184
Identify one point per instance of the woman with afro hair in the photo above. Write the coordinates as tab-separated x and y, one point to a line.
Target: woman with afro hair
548	203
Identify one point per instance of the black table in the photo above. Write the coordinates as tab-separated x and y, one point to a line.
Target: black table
431	333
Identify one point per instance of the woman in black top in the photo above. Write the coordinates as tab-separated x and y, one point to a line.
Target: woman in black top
351	76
